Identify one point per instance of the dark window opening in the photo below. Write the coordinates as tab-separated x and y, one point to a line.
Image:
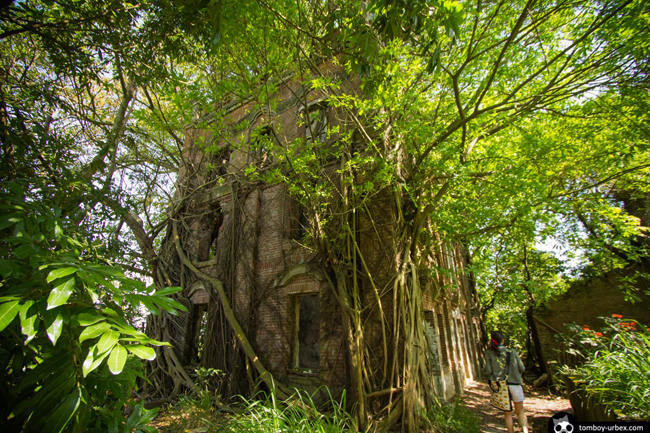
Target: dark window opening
307	333
207	247
262	146
298	225
215	226
316	124
218	167
196	334
303	224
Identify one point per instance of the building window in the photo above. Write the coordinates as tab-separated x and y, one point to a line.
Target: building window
196	333
298	222
261	147
316	123
306	341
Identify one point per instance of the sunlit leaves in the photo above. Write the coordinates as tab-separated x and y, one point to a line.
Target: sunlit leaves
142	352
60	294
69	303
8	310
117	359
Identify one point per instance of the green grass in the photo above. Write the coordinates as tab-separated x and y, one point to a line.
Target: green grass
299	415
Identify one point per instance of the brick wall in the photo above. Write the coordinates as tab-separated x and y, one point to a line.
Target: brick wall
255	232
583	304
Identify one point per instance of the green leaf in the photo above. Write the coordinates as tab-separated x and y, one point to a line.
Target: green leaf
54	323
117	359
93	331
87	319
49	365
8	311
48	397
60	294
108	340
60	273
93	360
24	251
28	322
168	291
9	220
64	413
142	352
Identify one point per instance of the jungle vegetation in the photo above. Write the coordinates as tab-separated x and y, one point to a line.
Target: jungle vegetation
500	125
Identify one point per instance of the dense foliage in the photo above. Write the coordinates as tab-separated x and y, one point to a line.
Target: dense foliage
497	125
612	365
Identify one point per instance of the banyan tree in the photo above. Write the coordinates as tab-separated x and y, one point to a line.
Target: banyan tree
302	263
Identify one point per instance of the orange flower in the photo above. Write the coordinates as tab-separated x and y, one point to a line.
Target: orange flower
599	334
629	325
617	316
585	327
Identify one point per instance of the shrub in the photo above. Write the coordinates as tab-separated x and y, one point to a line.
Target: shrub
615	365
69	356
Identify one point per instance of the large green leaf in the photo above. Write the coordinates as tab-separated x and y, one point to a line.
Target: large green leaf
60	294
117	359
54	324
107	341
48	397
28	322
87	319
8	311
48	366
93	360
60	273
64	413
142	352
168	291
93	331
9	219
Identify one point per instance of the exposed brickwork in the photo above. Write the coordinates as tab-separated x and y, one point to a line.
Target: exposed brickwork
256	232
584	304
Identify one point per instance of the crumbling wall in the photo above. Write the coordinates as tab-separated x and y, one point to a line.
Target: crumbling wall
584	304
250	236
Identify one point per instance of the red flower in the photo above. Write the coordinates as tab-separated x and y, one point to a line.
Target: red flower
599	334
617	316
585	327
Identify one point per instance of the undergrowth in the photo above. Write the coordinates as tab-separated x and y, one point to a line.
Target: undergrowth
453	417
300	414
613	365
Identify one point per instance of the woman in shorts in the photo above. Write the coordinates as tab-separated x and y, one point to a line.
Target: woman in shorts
495	368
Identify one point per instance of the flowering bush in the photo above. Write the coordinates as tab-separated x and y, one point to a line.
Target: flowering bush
614	365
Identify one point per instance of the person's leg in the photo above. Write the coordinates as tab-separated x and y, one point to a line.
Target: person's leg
521	416
509	424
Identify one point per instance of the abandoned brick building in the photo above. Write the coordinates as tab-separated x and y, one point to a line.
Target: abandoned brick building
250	235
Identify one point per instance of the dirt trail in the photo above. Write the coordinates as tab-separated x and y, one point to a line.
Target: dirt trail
539	408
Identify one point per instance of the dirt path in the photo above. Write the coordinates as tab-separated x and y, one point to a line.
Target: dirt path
539	408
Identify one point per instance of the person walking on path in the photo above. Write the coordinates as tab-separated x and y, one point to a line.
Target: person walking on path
495	369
